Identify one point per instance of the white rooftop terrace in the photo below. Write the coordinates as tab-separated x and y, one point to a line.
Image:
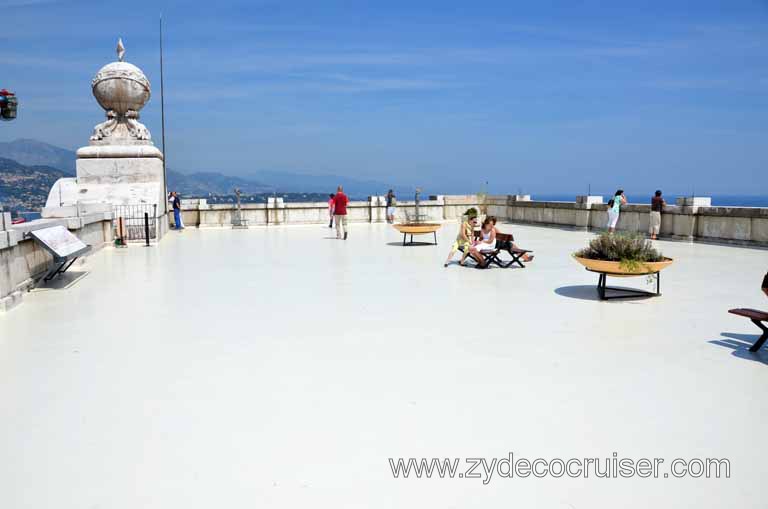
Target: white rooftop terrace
282	368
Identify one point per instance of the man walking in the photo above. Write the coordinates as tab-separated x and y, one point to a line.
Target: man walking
657	205
340	201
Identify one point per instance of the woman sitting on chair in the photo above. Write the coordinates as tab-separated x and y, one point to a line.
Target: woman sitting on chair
487	242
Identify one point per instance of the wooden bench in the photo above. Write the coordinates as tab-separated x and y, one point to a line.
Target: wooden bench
757	317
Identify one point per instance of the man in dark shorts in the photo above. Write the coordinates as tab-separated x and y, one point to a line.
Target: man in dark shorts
654	222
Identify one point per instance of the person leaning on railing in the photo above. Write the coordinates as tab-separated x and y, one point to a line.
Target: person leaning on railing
657	205
614	209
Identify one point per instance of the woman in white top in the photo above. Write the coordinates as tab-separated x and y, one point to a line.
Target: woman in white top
614	207
487	242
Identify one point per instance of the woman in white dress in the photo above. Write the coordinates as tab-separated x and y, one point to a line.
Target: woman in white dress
487	242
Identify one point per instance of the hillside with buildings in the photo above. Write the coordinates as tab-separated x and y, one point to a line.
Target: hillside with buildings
25	188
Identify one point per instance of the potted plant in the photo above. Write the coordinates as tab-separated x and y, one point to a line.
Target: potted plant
622	254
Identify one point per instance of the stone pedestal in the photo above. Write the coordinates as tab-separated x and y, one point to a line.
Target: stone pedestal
113	182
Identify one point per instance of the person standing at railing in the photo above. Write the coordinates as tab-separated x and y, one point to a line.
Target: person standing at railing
177	211
657	205
340	202
391	206
614	208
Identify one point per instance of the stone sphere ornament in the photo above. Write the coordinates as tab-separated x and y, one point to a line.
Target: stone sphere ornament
122	90
121	87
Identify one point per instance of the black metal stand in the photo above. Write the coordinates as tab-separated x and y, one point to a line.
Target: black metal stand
762	339
626	293
411	243
61	262
60	267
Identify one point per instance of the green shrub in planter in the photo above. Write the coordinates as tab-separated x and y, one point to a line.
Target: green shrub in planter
631	249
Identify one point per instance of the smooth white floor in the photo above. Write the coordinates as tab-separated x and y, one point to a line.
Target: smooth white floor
282	368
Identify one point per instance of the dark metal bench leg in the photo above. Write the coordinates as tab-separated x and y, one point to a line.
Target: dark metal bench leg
435	234
761	341
404	235
516	259
601	286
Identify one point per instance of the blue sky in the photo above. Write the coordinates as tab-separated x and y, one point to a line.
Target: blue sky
539	97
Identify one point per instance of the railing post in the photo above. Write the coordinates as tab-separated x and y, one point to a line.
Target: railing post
146	228
121	230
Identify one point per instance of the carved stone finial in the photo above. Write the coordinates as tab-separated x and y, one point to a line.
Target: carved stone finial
122	90
120	50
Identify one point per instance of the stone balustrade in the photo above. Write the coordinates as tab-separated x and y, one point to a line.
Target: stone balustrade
690	219
277	212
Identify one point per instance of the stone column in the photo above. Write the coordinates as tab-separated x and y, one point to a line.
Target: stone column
375	207
274	206
583	210
685	222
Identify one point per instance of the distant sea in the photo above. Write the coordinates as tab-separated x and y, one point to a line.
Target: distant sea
717	200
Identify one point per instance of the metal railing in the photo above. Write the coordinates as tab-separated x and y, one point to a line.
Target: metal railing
138	222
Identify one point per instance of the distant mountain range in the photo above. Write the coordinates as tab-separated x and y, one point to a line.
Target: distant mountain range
30	152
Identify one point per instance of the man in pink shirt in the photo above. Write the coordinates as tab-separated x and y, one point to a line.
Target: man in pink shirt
330	211
340	201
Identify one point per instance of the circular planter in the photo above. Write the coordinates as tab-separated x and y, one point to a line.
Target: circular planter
417	228
614	269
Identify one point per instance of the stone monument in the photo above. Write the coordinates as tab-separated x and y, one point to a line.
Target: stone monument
121	166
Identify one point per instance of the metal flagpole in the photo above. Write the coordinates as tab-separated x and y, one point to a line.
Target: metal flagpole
162	117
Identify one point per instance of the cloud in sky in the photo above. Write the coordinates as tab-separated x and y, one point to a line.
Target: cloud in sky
427	91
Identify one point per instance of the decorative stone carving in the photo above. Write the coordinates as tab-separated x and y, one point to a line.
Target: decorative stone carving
122	90
105	129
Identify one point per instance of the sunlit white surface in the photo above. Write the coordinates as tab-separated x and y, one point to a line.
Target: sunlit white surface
282	368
